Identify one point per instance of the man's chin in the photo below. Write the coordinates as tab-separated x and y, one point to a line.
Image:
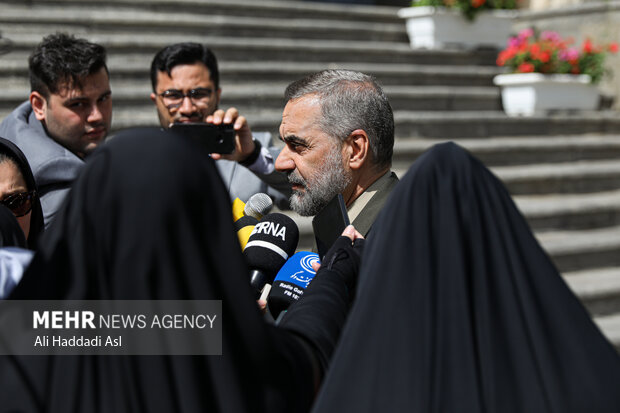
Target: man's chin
302	207
90	148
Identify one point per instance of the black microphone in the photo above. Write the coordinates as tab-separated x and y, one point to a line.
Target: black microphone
244	227
271	243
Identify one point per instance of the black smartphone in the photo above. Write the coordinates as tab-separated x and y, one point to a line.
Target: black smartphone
329	223
212	138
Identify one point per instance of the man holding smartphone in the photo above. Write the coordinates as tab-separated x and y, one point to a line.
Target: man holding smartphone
338	130
185	81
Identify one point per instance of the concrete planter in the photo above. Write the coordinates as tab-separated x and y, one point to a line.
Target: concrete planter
437	27
526	94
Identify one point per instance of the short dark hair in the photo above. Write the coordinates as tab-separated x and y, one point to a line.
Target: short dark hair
61	59
186	53
351	100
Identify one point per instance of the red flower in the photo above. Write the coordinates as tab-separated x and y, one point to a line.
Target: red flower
477	3
544	56
504	56
525	68
549	53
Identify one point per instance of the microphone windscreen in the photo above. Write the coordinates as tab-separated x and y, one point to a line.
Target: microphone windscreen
244	227
273	240
258	205
291	281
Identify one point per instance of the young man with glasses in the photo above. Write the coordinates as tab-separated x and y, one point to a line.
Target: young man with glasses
68	114
185	80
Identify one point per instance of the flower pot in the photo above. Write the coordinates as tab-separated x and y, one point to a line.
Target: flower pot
525	94
431	27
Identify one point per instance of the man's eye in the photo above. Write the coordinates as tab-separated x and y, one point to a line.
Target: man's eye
201	94
172	95
76	105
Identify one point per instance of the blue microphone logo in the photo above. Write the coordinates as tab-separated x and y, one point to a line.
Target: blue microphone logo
298	269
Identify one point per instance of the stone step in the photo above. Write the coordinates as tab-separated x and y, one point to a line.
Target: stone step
582	177
519	150
568	177
546	210
571	211
598	290
242	8
96	22
464	124
248	97
14	68
576	250
610	326
270	49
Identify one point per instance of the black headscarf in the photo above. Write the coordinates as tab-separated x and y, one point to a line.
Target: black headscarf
11	234
459	309
149	218
9	149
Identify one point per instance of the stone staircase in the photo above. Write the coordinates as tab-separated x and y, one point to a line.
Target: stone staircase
562	169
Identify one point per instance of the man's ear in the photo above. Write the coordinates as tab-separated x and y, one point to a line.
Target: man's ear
154	98
358	149
39	105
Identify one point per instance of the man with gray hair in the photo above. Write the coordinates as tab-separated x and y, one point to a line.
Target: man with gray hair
338	130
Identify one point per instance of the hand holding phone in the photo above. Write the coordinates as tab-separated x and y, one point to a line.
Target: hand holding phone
212	138
243	135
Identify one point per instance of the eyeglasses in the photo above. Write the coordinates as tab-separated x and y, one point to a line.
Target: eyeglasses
174	98
19	204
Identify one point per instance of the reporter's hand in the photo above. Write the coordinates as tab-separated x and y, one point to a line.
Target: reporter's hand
344	256
262	306
244	144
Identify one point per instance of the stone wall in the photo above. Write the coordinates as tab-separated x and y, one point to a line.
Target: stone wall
599	21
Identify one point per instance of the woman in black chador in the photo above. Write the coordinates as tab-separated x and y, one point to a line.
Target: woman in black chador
149	219
458	309
21	191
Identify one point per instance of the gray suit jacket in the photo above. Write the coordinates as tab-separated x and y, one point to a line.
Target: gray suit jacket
54	167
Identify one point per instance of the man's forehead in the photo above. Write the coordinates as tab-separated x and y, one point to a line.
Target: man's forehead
197	72
301	112
300	122
69	87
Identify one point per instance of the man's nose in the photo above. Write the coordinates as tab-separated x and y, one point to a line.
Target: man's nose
95	114
187	106
284	162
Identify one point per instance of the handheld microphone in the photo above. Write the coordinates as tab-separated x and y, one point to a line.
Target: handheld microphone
246	215
291	281
237	209
271	243
244	227
258	205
